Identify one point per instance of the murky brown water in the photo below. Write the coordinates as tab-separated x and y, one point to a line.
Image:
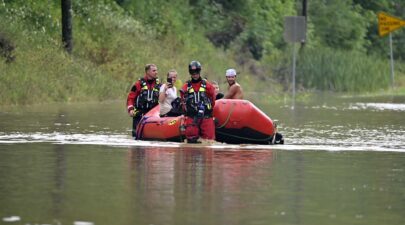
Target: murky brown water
343	163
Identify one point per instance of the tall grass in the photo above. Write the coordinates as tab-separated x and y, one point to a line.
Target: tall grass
48	75
336	70
110	51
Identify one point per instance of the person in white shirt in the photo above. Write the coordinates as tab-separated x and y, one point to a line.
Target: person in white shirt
168	93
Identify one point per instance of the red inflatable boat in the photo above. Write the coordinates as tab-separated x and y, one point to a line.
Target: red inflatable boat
237	122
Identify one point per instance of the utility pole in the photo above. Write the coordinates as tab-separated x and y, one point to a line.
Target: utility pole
66	6
304	8
304	14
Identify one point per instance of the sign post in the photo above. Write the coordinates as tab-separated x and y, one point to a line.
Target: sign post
386	25
294	31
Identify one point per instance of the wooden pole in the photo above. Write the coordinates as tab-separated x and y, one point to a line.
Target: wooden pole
304	8
304	13
67	25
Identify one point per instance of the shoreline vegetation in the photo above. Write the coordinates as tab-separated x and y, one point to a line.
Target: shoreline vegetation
114	39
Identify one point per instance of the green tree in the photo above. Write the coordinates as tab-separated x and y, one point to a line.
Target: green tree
380	45
339	24
249	26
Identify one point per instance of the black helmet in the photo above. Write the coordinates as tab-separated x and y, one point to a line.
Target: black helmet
194	67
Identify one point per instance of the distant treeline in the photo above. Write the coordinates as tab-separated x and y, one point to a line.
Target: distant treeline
113	39
256	26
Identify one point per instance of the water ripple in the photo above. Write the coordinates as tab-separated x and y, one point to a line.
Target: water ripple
309	139
378	106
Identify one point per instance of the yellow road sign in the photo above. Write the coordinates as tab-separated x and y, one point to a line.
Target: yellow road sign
388	23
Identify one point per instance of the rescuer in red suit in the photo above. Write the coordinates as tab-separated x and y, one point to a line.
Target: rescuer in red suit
198	96
144	95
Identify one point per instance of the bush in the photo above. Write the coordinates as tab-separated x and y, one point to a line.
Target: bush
338	70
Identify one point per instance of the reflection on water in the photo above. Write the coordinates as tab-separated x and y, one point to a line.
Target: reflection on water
186	182
86	184
145	185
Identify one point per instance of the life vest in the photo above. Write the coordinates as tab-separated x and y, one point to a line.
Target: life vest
195	100
147	99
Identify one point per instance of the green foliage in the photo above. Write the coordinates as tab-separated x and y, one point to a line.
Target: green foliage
380	45
114	39
337	70
339	24
111	48
328	69
43	73
163	17
245	26
33	15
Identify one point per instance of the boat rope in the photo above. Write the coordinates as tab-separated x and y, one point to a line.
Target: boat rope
181	128
229	116
245	138
273	140
141	126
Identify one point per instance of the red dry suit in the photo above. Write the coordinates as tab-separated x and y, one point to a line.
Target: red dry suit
199	99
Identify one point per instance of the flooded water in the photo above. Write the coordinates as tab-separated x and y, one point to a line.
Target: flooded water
343	163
